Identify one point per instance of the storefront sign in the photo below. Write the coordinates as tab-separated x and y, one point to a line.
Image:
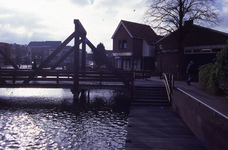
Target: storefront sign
122	54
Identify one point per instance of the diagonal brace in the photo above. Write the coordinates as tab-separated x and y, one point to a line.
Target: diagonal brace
94	49
8	59
49	58
63	58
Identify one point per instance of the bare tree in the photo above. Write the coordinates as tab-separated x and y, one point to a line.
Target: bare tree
167	16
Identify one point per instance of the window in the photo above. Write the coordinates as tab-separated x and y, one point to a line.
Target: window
206	50
188	51
216	50
1	60
197	51
119	44
124	44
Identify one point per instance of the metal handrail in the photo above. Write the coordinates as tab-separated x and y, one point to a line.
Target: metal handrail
200	102
167	86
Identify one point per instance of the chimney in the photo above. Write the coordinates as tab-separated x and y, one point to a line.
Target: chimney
188	23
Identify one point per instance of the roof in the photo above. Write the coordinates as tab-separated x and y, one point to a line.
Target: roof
51	44
195	36
136	30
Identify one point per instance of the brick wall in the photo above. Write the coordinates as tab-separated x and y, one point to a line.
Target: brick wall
211	131
169	63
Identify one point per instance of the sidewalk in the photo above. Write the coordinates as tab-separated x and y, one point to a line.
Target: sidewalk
217	102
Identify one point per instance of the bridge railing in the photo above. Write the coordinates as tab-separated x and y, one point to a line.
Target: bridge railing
101	75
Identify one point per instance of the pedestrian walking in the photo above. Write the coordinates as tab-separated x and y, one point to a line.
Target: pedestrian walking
189	71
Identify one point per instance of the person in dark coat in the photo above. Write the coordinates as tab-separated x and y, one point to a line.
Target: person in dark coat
189	71
34	65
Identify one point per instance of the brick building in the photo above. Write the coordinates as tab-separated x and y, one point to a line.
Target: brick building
134	46
200	44
40	50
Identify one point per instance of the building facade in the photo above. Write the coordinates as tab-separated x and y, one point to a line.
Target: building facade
134	46
200	45
40	50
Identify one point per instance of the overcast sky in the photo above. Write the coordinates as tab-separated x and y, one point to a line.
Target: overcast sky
22	21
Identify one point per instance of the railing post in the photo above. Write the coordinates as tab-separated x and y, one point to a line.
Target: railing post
132	85
14	76
57	76
172	81
101	71
83	56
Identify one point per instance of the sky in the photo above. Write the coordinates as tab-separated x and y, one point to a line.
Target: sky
22	21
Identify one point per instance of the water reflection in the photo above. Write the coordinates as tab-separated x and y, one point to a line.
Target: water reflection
49	121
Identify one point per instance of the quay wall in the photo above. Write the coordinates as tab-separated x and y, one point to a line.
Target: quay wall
211	130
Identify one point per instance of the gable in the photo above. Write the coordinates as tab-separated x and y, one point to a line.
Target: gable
121	25
136	30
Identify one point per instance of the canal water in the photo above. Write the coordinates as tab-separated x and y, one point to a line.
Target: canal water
48	119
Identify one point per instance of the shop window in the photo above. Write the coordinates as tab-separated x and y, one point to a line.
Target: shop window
118	63
126	64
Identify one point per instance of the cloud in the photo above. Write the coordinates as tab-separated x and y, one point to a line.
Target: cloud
81	2
53	19
224	13
18	19
30	20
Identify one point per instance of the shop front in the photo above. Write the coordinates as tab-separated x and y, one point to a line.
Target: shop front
125	60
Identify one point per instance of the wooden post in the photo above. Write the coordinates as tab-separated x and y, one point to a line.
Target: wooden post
88	97
76	61
132	85
57	77
101	74
14	76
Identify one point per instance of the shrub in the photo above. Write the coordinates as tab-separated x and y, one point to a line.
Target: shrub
214	77
208	78
222	69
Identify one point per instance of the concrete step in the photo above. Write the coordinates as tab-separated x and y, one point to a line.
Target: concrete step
150	104
150	96
160	97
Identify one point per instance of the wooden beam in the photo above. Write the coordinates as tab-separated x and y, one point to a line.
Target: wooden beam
8	59
83	55
49	58
63	58
76	61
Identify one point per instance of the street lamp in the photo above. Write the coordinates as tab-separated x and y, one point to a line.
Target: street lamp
161	48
